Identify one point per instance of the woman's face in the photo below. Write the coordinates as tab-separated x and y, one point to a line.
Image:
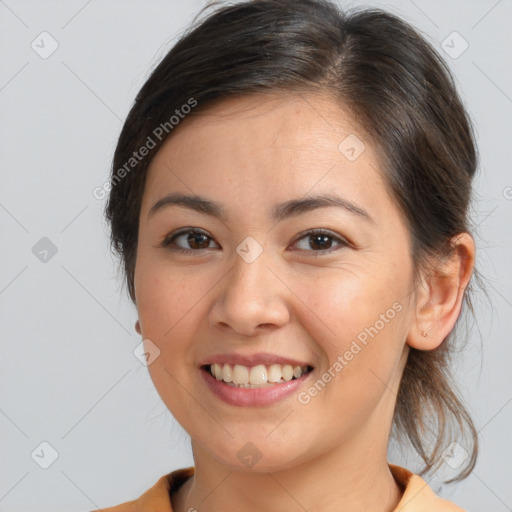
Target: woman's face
257	294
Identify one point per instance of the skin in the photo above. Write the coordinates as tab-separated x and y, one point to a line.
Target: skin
331	453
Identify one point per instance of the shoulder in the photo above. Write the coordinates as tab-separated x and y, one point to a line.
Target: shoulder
157	498
418	496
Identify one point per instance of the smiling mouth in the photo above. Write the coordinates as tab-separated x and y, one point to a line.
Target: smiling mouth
256	376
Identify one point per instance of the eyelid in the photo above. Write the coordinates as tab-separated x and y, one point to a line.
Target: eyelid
342	241
322	231
169	239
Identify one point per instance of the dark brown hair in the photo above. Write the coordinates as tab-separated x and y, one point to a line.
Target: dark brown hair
400	91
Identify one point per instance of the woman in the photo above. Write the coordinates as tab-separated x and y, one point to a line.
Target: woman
289	198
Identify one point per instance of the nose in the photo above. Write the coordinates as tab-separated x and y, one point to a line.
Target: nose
251	297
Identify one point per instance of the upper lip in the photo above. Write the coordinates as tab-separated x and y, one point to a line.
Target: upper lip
252	359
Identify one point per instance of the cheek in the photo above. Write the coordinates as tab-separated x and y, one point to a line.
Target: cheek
347	305
165	296
357	321
169	306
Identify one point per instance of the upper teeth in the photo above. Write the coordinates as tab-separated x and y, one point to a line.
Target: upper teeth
260	374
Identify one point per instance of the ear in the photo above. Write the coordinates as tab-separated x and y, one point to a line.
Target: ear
439	297
137	327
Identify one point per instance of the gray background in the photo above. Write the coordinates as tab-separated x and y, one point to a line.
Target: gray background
68	374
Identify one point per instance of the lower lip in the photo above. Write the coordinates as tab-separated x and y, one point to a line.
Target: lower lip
252	397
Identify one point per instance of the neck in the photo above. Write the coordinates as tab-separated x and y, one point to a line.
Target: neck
341	480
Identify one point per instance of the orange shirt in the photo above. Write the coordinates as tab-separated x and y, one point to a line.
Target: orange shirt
417	497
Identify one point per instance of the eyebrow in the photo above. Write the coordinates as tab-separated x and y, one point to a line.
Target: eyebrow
280	211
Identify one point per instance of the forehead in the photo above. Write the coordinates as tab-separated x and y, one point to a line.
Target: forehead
262	146
280	123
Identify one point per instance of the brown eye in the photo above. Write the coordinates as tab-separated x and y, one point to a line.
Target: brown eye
197	240
190	240
319	241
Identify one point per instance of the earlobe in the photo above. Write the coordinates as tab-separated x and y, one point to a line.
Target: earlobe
439	299
137	327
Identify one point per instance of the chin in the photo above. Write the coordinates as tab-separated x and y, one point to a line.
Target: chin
257	456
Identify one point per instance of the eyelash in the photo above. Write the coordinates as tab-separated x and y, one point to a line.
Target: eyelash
312	232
